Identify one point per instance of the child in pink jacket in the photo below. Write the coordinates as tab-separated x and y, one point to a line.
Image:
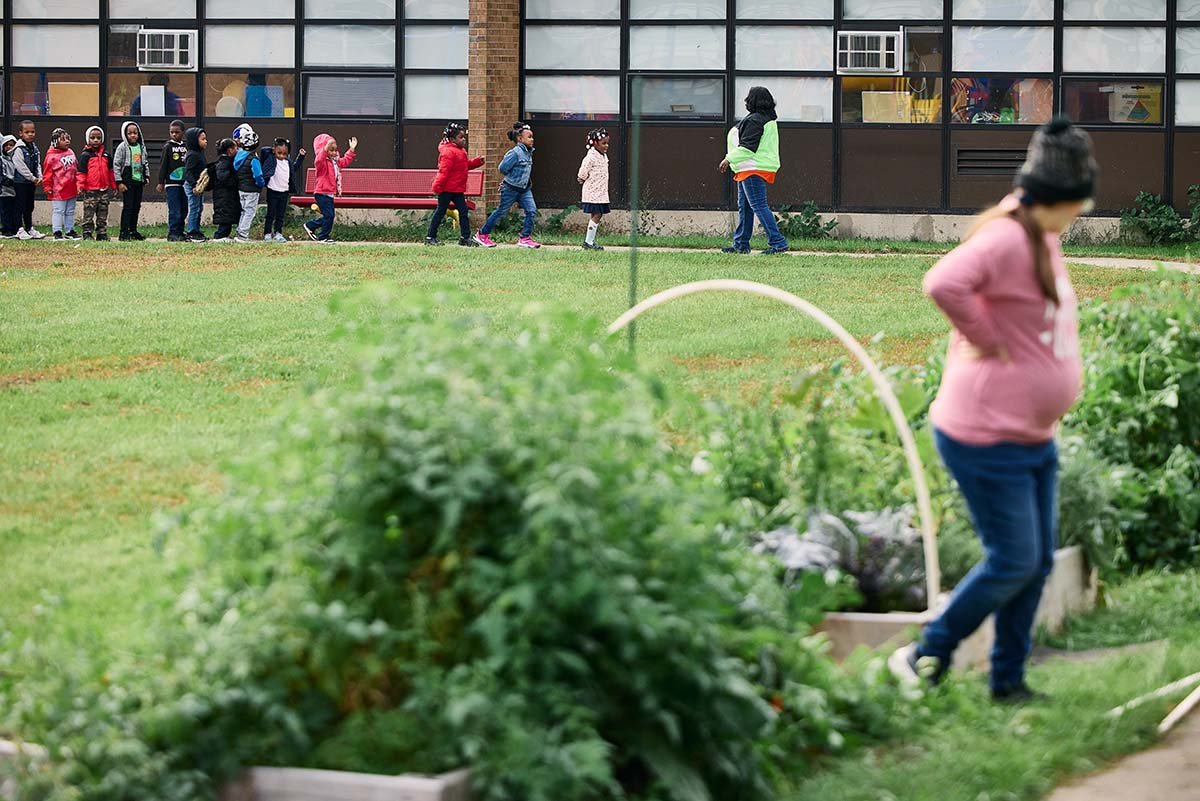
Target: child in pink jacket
59	180
1012	372
329	183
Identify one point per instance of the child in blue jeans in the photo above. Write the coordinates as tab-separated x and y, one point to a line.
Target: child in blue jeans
517	169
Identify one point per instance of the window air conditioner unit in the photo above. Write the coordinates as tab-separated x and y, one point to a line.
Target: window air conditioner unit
160	50
870	52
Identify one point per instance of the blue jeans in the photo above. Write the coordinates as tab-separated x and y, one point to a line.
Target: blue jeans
1010	490
195	205
508	196
176	209
62	215
752	202
325	204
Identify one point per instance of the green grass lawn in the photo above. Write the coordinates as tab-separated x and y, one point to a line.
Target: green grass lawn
129	374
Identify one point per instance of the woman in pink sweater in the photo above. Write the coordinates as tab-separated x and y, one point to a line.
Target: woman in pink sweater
1011	372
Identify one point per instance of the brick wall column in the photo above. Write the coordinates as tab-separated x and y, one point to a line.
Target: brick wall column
493	85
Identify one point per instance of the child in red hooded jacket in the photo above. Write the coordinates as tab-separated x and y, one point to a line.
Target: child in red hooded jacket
96	183
329	183
450	185
58	179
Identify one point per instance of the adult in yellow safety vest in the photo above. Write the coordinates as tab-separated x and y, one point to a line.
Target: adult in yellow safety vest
752	153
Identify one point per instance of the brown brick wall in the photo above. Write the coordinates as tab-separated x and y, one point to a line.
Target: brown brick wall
494	84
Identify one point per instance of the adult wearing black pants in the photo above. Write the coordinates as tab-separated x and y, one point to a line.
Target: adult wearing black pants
450	185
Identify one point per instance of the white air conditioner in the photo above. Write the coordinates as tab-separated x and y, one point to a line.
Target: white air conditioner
870	52
166	49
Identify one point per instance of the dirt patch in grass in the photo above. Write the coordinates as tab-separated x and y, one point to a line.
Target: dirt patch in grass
105	367
705	364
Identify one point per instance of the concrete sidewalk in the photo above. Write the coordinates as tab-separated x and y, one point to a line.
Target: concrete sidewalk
1170	771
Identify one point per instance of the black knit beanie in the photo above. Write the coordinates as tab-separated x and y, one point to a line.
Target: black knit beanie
1059	166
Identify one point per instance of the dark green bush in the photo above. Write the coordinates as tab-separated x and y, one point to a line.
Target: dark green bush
1156	221
479	552
804	223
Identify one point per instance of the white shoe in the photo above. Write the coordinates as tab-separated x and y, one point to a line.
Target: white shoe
222	239
242	240
36	234
23	234
280	238
268	238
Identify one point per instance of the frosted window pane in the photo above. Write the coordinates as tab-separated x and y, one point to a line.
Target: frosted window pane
433	47
677	9
55	45
1114	9
1114	49
350	46
892	9
581	95
1003	9
685	47
56	9
572	9
776	48
1003	49
350	9
1188	9
681	98
785	9
436	97
436	9
263	9
1187	50
567	47
1187	103
155	9
267	46
796	99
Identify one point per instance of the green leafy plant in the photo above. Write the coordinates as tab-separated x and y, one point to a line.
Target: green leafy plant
804	223
1156	221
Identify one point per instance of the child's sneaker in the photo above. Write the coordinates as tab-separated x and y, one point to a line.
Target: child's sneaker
590	246
87	237
329	240
36	234
279	237
468	243
71	235
483	240
311	233
222	239
58	236
433	241
196	236
102	237
528	242
137	236
268	238
23	234
242	240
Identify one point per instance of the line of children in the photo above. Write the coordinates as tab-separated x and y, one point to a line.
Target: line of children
329	168
96	183
60	180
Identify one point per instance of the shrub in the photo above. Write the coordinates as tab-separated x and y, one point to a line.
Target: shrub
478	551
1141	410
804	223
1157	222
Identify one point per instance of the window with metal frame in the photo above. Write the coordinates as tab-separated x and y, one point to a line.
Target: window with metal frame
160	49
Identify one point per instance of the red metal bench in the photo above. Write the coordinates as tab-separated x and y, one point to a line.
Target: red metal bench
387	189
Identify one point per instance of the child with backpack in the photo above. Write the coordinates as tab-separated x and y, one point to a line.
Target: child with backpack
96	184
593	174
131	164
59	179
281	174
517	169
450	185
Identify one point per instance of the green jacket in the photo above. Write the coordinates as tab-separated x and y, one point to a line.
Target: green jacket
753	145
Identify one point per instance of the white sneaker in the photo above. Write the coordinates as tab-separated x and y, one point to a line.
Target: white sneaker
221	239
280	238
36	234
23	234
268	238
242	240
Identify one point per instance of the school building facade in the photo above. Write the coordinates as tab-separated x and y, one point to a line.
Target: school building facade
884	105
